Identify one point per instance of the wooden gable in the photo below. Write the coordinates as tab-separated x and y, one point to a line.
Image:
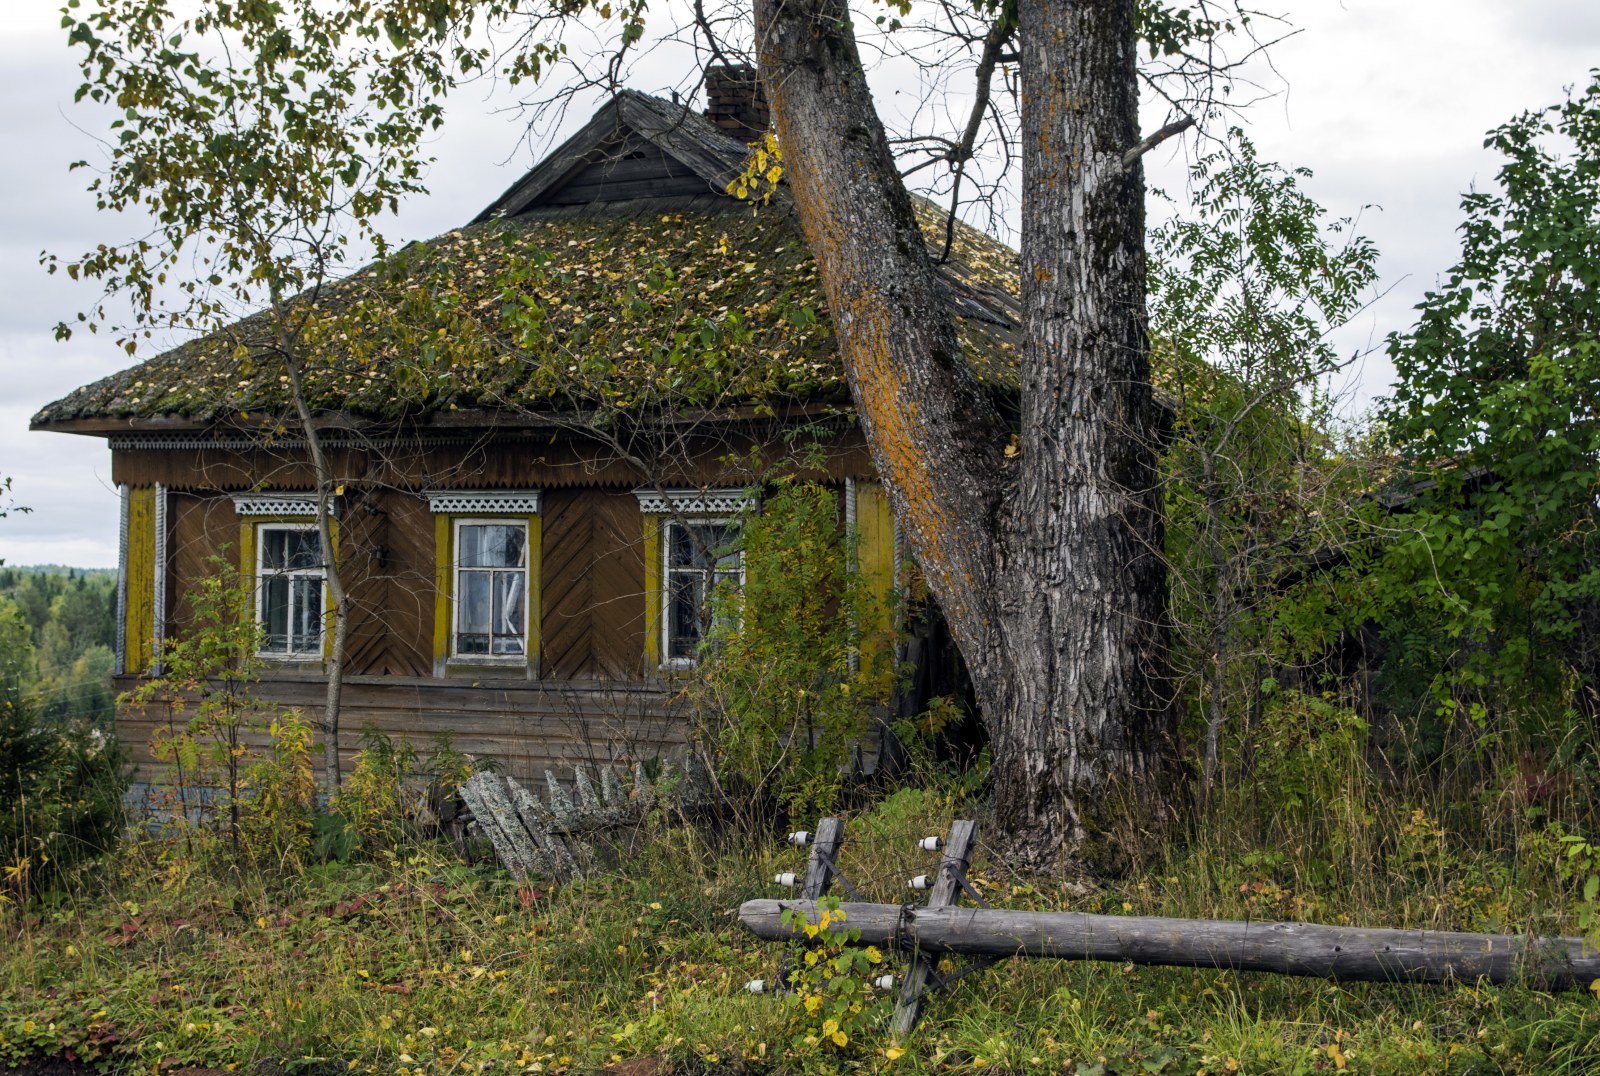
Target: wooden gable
635	147
635	167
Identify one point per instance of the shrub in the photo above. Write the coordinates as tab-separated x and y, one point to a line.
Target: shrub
61	787
781	701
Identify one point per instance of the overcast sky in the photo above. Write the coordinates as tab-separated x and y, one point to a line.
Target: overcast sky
1386	100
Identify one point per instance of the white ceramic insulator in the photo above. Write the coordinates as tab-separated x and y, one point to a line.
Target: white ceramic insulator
756	986
800	838
921	881
786	878
884	982
931	844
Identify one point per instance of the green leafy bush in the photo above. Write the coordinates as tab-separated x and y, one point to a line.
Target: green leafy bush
781	699
61	787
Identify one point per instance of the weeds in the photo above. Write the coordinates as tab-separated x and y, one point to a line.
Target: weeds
409	962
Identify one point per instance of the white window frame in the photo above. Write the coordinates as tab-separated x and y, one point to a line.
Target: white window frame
263	573
668	661
456	568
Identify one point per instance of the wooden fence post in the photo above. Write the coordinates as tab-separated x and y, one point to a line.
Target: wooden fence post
946	891
818	879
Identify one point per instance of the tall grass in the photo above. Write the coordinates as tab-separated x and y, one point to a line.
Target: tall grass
411	962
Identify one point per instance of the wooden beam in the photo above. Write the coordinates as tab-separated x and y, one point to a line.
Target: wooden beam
1344	954
946	890
818	878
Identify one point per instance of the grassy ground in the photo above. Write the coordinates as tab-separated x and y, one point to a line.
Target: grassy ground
413	963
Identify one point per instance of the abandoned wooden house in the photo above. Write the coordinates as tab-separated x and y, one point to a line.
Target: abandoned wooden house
528	417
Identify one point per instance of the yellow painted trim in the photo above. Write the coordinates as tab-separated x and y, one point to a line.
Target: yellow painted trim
875	554
247	560
535	593
139	614
443	566
652	593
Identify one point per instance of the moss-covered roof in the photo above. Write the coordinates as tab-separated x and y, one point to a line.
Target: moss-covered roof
625	307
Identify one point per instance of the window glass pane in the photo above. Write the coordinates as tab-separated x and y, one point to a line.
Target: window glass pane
307	604
274	548
283	548
305	549
680	546
683	613
696	545
508	612
490	545
473	613
275	615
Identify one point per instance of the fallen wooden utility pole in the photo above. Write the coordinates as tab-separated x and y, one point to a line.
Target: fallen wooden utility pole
1350	954
943	928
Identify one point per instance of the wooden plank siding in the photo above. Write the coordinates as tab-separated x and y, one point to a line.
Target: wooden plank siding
527	727
593	585
515	462
202	527
595	691
637	169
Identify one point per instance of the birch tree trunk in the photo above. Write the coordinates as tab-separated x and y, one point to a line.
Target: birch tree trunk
327	490
1047	567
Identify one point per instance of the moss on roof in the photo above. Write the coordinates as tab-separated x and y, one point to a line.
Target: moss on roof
642	310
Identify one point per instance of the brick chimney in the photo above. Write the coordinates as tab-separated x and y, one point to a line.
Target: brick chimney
735	102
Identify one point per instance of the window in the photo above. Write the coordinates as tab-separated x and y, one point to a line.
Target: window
700	556
491	589
486	581
690	545
290	591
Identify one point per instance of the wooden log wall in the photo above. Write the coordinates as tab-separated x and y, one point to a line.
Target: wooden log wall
597	695
527	727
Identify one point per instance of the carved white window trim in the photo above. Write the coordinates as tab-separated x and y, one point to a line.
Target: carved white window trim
488	502
256	504
694	501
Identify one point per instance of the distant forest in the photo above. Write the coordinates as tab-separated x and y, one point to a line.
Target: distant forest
58	632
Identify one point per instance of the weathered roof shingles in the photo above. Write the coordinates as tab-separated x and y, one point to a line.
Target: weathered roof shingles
642	305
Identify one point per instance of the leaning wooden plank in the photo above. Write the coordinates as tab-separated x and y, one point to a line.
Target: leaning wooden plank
492	820
946	889
537	820
1346	954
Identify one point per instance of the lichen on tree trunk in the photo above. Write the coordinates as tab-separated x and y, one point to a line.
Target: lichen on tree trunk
1047	567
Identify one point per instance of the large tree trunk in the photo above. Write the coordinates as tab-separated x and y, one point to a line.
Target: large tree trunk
1082	744
1048	568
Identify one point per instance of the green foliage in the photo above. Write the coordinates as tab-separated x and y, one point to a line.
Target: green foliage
280	790
831	987
1497	425
416	962
371	799
268	137
61	787
1579	864
779	699
393	795
208	717
17	661
1244	292
70	617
